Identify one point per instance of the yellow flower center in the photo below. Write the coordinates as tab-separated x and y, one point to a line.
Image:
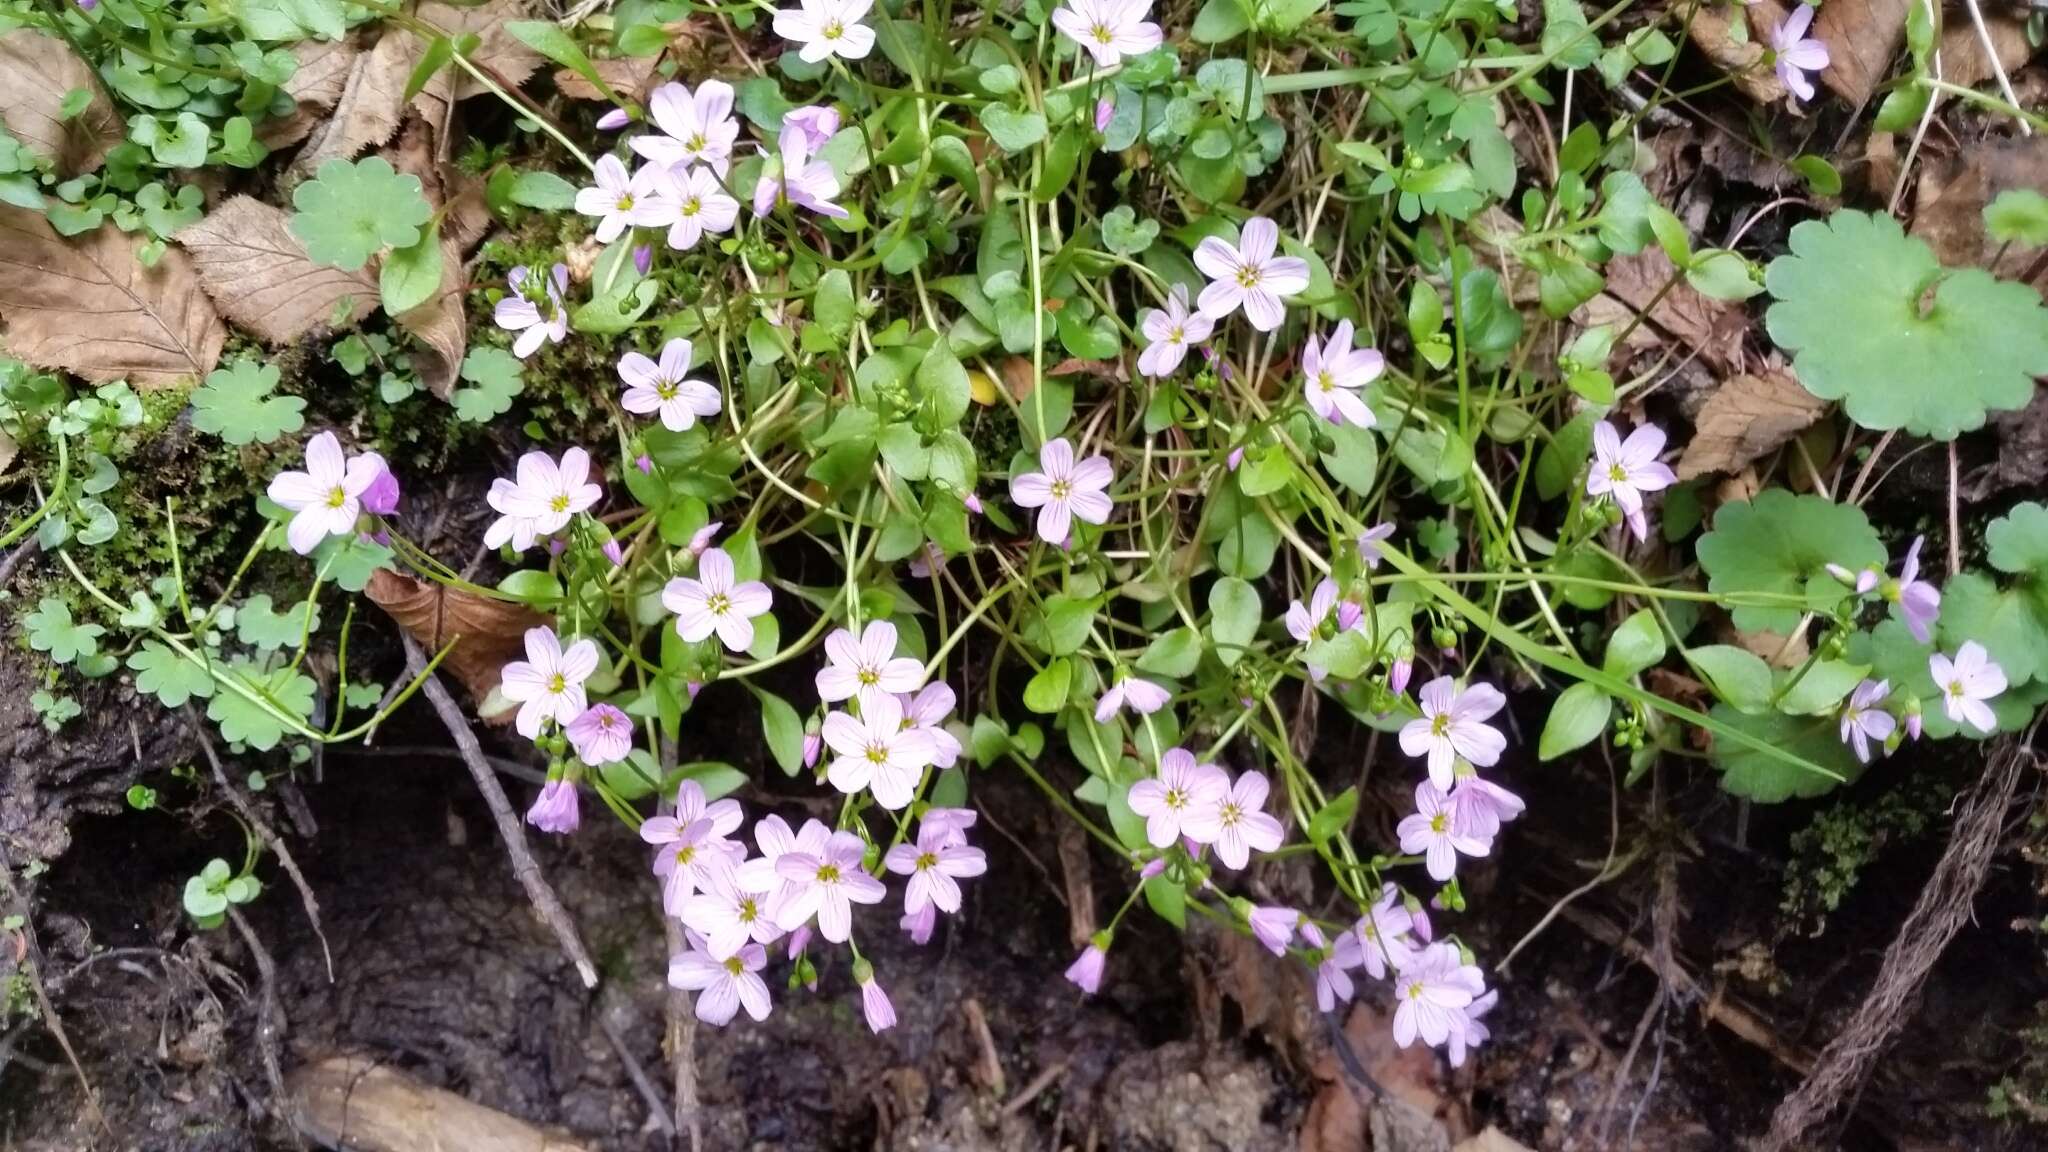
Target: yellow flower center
1617	473
1176	799
868	676
560	503
666	389
828	874
1102	34
877	754
695	143
1436	823
558	684
1439	724
337	496
1955	689
1061	489
733	965
718	604
1247	277
625	202
691	206
1177	335
833	30
927	860
1230	814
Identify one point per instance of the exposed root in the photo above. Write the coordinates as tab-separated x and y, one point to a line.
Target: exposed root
32	967
1942	910
271	1022
524	866
637	1073
270	838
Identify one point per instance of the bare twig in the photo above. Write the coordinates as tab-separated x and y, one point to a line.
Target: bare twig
33	967
682	1021
524	867
22	551
270	838
1997	65
1053	1074
649	1091
271	1023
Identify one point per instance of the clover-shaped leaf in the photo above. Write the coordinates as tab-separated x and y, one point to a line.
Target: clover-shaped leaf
51	629
349	560
261	626
354	209
494	377
1873	320
244	721
1126	235
2017	542
236	404
2018	216
1781	543
171	677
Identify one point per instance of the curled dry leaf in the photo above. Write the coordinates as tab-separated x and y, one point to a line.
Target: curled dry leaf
88	306
439	325
354	1102
1747	416
37	72
370	106
498	53
629	76
260	277
491	632
1948	205
1862	37
1744	61
316	87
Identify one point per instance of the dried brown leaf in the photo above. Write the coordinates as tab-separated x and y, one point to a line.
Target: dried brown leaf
1962	56
1948	207
439	325
498	53
1747	416
1862	37
1744	60
261	278
36	73
316	86
1713	328
88	306
488	634
629	76
370	106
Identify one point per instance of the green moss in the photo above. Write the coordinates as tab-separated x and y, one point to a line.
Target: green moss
1830	854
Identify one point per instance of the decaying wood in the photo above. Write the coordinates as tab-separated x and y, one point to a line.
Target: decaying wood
354	1103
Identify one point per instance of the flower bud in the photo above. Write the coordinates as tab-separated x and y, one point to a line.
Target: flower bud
1105	111
381	497
643	259
614	120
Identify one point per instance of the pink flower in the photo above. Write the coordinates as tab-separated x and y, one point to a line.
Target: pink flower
643	258
827	885
541	500
1432	834
1105	111
601	734
701	539
1795	54
814	743
716	600
1369	541
538	321
926	712
1481	806
1431	994
1398	673
548	684
919	924
695	128
803	180
1382	933
1183	792
692	845
1141	696
728	916
1453	724
723	987
1235	460
759	875
1335	372
972	502
1466	1030
1918	602
1249	275
1273	927
867	668
614	552
1237	823
1169	333
621	201
874	1003
1333	978
1108	30
949	824
614	120
1304	621
381	497
1966	683
875	751
554	810
814	126
935	868
700	205
1625	469
1864	718
326	498
1064	490
826	28
1086	970
664	386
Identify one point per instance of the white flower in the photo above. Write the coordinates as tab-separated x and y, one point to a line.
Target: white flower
1864	718
621	201
1064	490
1382	934
729	916
1965	683
1138	694
548	684
691	845
823	28
1238	823
1433	833
1170	331
1249	275
868	667
537	323
1453	724
1334	372
723	987
326	498
935	867
927	712
797	175
695	129
700	206
1797	55
772	834
1108	30
878	753
715	601
1625	469
813	125
1432	994
1183	794
827	883
541	500
665	387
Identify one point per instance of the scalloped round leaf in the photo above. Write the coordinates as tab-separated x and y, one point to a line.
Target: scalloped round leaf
1751	774
1781	543
2017	542
1873	321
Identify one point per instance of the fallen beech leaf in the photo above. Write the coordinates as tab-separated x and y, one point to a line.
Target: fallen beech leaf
1017	376
370	105
354	1102
1744	62
498	53
1962	58
492	632
36	73
467	217
1948	206
1713	328
1343	1117
88	306
1862	37
629	76
439	324
316	87
260	277
1746	417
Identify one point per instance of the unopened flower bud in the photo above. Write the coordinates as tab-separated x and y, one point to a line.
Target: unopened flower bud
614	120
614	553
643	259
1105	111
